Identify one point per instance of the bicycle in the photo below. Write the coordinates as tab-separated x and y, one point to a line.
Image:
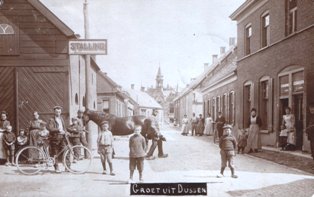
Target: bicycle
31	160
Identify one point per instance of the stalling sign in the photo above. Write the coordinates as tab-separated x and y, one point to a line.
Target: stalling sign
88	47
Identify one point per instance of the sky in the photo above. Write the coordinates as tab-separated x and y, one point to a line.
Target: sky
178	36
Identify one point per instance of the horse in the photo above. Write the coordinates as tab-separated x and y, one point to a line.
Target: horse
117	125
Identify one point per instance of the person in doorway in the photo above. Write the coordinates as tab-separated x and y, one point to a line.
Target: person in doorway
105	147
208	125
194	121
227	145
137	146
220	122
288	122
185	123
157	137
255	123
200	125
57	130
310	128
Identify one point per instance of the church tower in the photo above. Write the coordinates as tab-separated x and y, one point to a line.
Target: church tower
159	80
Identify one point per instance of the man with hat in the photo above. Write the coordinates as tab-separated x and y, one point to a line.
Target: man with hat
56	127
227	145
156	137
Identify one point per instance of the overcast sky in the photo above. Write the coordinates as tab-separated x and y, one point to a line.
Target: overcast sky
177	35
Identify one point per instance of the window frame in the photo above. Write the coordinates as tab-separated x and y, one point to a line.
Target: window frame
248	32
265	30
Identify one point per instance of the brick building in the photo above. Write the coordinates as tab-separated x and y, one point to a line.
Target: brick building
275	64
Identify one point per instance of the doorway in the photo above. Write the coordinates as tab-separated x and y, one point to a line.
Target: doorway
298	113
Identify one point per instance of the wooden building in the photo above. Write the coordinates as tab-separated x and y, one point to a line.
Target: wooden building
36	72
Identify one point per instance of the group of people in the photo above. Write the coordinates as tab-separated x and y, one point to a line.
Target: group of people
48	136
137	147
199	126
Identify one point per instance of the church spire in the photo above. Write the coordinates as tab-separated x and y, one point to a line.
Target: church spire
159	79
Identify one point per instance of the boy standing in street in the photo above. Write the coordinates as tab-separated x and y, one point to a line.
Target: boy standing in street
137	145
105	142
227	144
75	131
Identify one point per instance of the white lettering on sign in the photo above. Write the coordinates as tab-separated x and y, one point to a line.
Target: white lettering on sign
88	47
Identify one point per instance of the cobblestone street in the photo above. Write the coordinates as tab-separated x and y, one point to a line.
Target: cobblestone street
191	159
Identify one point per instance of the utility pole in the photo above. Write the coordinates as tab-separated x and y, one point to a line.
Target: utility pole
88	91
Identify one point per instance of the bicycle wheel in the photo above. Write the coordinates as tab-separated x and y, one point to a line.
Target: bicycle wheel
77	159
30	160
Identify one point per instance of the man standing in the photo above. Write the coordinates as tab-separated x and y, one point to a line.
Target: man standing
157	138
56	127
194	121
220	121
310	128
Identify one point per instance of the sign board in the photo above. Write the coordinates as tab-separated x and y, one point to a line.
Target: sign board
88	47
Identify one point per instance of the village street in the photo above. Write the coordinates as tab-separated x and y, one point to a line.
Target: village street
191	159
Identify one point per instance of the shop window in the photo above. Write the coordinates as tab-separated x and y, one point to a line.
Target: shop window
265	102
291	16
298	82
284	86
265	30
248	35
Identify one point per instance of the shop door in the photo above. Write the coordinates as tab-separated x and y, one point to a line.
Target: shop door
298	112
40	89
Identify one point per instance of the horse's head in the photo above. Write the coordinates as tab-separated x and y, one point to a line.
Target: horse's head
86	116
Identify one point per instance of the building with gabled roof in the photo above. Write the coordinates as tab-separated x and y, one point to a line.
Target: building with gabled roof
36	71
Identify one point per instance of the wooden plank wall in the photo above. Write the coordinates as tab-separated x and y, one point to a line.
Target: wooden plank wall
40	41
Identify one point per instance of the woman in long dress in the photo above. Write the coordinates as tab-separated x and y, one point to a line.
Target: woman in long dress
185	123
254	141
288	122
34	128
208	125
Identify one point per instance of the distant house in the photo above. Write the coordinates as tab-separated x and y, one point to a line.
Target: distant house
111	98
145	103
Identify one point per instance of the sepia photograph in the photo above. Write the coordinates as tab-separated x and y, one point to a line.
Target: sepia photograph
157	98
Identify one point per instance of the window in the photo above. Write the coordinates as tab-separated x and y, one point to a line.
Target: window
265	103
231	108
6	29
76	99
105	106
248	35
265	30
248	100
291	16
9	38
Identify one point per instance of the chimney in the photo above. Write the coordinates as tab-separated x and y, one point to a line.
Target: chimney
215	58
222	50
231	41
132	86
205	66
143	89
